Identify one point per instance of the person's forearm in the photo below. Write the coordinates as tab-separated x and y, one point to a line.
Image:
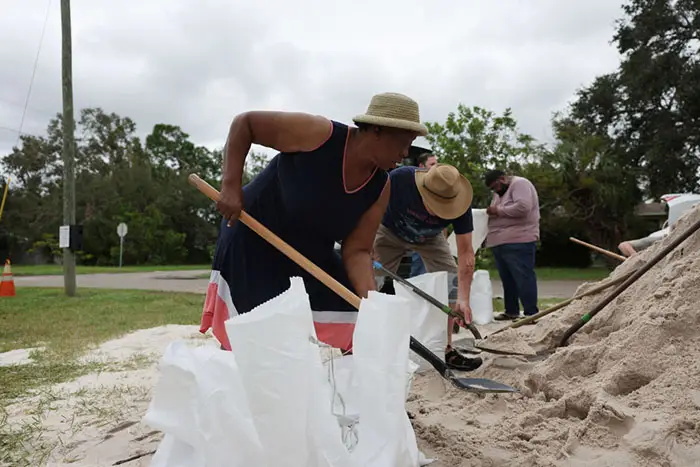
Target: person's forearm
237	146
517	209
358	265
465	276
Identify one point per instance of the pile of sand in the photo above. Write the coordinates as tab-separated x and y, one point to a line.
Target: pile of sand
624	392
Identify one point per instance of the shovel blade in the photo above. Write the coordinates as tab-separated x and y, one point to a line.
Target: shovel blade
481	385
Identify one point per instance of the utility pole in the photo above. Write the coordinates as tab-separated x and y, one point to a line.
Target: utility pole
69	282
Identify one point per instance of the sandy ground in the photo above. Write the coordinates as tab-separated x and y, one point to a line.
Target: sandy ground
189	281
95	420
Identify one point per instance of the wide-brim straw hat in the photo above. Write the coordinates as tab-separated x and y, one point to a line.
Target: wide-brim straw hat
444	190
394	110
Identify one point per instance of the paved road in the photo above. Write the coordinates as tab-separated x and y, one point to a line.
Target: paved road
190	281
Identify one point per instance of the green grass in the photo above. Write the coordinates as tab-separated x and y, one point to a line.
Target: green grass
565	274
65	327
57	270
61	329
543	304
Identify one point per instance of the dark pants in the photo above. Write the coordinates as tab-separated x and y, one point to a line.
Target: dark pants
516	267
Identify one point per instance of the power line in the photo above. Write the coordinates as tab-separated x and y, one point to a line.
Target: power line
36	64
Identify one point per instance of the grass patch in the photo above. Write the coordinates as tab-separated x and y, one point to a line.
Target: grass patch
66	326
543	304
57	270
564	274
63	328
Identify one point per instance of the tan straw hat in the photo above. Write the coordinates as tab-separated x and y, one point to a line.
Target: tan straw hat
393	110
444	190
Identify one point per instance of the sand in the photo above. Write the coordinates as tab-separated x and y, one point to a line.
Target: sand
95	420
624	392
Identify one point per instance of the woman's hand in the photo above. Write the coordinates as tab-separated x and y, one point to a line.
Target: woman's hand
230	203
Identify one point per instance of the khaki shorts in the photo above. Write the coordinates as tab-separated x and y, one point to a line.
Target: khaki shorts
435	253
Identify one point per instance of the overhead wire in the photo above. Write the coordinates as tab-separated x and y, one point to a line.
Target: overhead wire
36	65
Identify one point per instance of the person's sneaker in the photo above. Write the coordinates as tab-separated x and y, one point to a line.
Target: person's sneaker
457	361
506	317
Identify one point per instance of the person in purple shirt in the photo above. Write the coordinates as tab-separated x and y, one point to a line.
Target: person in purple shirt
514	229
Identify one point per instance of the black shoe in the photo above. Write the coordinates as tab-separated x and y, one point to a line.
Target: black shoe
506	317
457	361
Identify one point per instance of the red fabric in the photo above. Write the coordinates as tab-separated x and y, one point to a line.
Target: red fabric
215	313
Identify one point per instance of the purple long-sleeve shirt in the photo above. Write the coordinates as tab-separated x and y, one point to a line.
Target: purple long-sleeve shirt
518	219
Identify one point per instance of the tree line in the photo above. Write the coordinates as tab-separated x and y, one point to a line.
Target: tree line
631	135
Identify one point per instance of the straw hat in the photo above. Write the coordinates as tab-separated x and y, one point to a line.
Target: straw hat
445	191
394	110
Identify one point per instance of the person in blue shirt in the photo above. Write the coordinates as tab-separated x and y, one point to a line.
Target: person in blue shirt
425	160
422	204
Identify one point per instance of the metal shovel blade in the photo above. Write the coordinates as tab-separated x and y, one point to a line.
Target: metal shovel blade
481	385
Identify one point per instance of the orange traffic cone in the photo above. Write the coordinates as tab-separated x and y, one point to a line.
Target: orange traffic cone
7	285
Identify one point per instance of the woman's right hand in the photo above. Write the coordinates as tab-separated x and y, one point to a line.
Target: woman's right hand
230	203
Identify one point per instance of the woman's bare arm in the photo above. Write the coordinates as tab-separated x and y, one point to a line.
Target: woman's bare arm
357	248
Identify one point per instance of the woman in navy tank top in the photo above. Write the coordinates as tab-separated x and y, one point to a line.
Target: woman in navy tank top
328	184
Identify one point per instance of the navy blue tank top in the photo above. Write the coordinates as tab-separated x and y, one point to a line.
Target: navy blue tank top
302	196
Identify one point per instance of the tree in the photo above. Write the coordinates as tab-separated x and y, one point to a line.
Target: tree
650	106
475	139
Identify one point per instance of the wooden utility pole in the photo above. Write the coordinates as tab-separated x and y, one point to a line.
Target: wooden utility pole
69	282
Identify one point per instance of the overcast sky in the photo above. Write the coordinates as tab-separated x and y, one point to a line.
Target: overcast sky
198	63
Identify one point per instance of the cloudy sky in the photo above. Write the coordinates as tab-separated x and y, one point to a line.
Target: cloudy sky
198	63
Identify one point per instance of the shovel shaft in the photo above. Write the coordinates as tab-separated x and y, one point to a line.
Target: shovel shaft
432	300
598	249
629	281
282	246
445	309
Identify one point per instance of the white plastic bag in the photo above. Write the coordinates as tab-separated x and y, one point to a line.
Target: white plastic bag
381	347
481	298
200	405
481	230
268	402
428	323
283	377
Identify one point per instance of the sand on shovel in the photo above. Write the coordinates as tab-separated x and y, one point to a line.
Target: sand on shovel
506	341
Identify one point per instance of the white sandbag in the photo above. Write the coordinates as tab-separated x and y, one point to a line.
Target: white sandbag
481	230
481	298
282	374
428	323
268	402
381	347
200	405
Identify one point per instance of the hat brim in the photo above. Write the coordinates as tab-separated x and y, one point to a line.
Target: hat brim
446	208
419	128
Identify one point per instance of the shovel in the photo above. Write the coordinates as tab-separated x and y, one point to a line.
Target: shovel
444	308
447	310
466	384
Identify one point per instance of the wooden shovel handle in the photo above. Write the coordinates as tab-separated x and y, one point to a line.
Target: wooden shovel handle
281	245
598	249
